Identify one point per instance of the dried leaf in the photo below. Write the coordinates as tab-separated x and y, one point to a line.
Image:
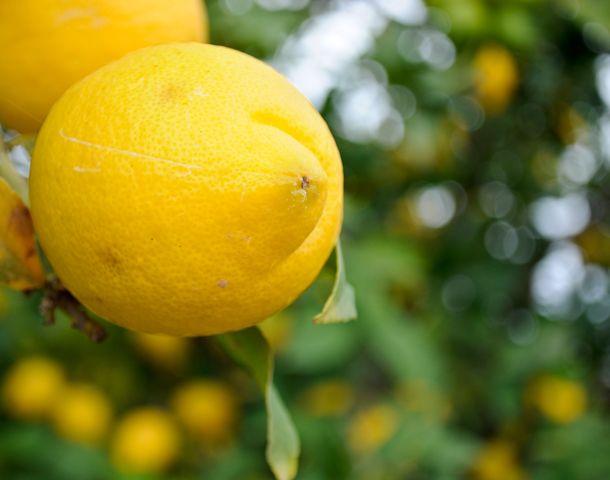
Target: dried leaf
341	304
20	266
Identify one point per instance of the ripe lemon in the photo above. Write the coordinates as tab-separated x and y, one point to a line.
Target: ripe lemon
186	189
164	351
82	414
145	441
329	398
47	45
560	400
372	428
32	386
498	460
496	77
207	409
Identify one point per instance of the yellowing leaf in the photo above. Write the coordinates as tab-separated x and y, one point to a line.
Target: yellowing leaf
341	305
20	265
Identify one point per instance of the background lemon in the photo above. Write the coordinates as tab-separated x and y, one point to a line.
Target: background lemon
207	409
82	414
186	189
32	386
146	440
47	45
163	351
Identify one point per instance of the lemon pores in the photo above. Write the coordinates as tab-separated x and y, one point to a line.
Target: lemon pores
186	189
47	45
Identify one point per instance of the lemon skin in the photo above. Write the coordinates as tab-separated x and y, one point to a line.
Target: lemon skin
186	189
47	45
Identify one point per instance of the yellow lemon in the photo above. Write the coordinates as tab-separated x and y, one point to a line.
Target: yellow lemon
328	398
496	77
371	428
32	386
164	351
145	441
560	400
186	189
207	409
498	461
82	414
47	45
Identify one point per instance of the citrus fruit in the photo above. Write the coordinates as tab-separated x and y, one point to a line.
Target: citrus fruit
372	428
82	414
47	45
145	441
164	351
31	387
498	460
328	398
207	409
186	189
496	77
560	400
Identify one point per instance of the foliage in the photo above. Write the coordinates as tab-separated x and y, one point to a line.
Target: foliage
475	147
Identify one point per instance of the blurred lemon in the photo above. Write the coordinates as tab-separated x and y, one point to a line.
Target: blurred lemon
497	460
595	244
32	386
418	396
82	414
146	440
47	45
207	409
560	400
570	125
328	398
164	351
371	428
496	77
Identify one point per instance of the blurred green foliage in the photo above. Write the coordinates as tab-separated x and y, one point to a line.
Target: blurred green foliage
482	348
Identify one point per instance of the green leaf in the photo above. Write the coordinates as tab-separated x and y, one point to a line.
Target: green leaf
341	305
283	445
250	349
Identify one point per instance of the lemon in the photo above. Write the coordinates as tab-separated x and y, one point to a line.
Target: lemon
32	386
164	351
371	428
560	400
328	398
207	409
47	45
497	460
496	77
145	441
186	189
82	414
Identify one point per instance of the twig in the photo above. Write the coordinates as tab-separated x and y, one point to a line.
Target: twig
57	296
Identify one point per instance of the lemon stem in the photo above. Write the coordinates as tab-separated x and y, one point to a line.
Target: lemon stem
56	296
